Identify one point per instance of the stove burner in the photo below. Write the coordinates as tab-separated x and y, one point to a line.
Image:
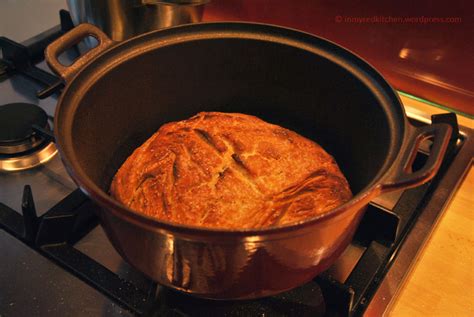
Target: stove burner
16	132
21	147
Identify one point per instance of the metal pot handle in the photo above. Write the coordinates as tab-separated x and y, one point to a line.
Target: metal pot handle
401	176
68	40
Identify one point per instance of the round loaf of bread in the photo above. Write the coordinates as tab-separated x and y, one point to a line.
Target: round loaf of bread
229	170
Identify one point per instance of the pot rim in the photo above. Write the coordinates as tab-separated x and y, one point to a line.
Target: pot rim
282	35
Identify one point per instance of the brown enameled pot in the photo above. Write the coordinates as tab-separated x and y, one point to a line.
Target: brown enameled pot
118	94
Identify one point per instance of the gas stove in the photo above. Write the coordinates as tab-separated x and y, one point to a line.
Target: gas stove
57	260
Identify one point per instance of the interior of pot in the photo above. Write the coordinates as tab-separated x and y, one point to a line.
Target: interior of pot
278	83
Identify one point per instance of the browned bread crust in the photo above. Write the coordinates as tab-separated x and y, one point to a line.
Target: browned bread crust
229	170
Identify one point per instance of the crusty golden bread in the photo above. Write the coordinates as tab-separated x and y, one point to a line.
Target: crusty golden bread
229	170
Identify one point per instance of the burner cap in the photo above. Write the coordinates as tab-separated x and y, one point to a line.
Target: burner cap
16	120
20	146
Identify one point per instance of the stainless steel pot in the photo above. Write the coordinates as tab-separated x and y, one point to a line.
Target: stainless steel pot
123	19
119	94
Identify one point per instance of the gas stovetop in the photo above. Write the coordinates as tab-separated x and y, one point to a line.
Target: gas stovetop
57	260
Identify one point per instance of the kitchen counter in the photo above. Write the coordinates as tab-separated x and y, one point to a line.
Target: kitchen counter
441	282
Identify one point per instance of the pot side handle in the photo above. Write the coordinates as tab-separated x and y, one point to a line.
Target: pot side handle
401	176
71	38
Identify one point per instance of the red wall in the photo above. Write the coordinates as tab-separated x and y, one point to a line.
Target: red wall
433	60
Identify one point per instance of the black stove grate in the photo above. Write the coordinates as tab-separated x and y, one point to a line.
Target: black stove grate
22	58
54	235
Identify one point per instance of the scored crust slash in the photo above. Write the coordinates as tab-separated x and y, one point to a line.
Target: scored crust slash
229	170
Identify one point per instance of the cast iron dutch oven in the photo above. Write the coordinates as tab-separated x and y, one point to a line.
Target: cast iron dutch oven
118	94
